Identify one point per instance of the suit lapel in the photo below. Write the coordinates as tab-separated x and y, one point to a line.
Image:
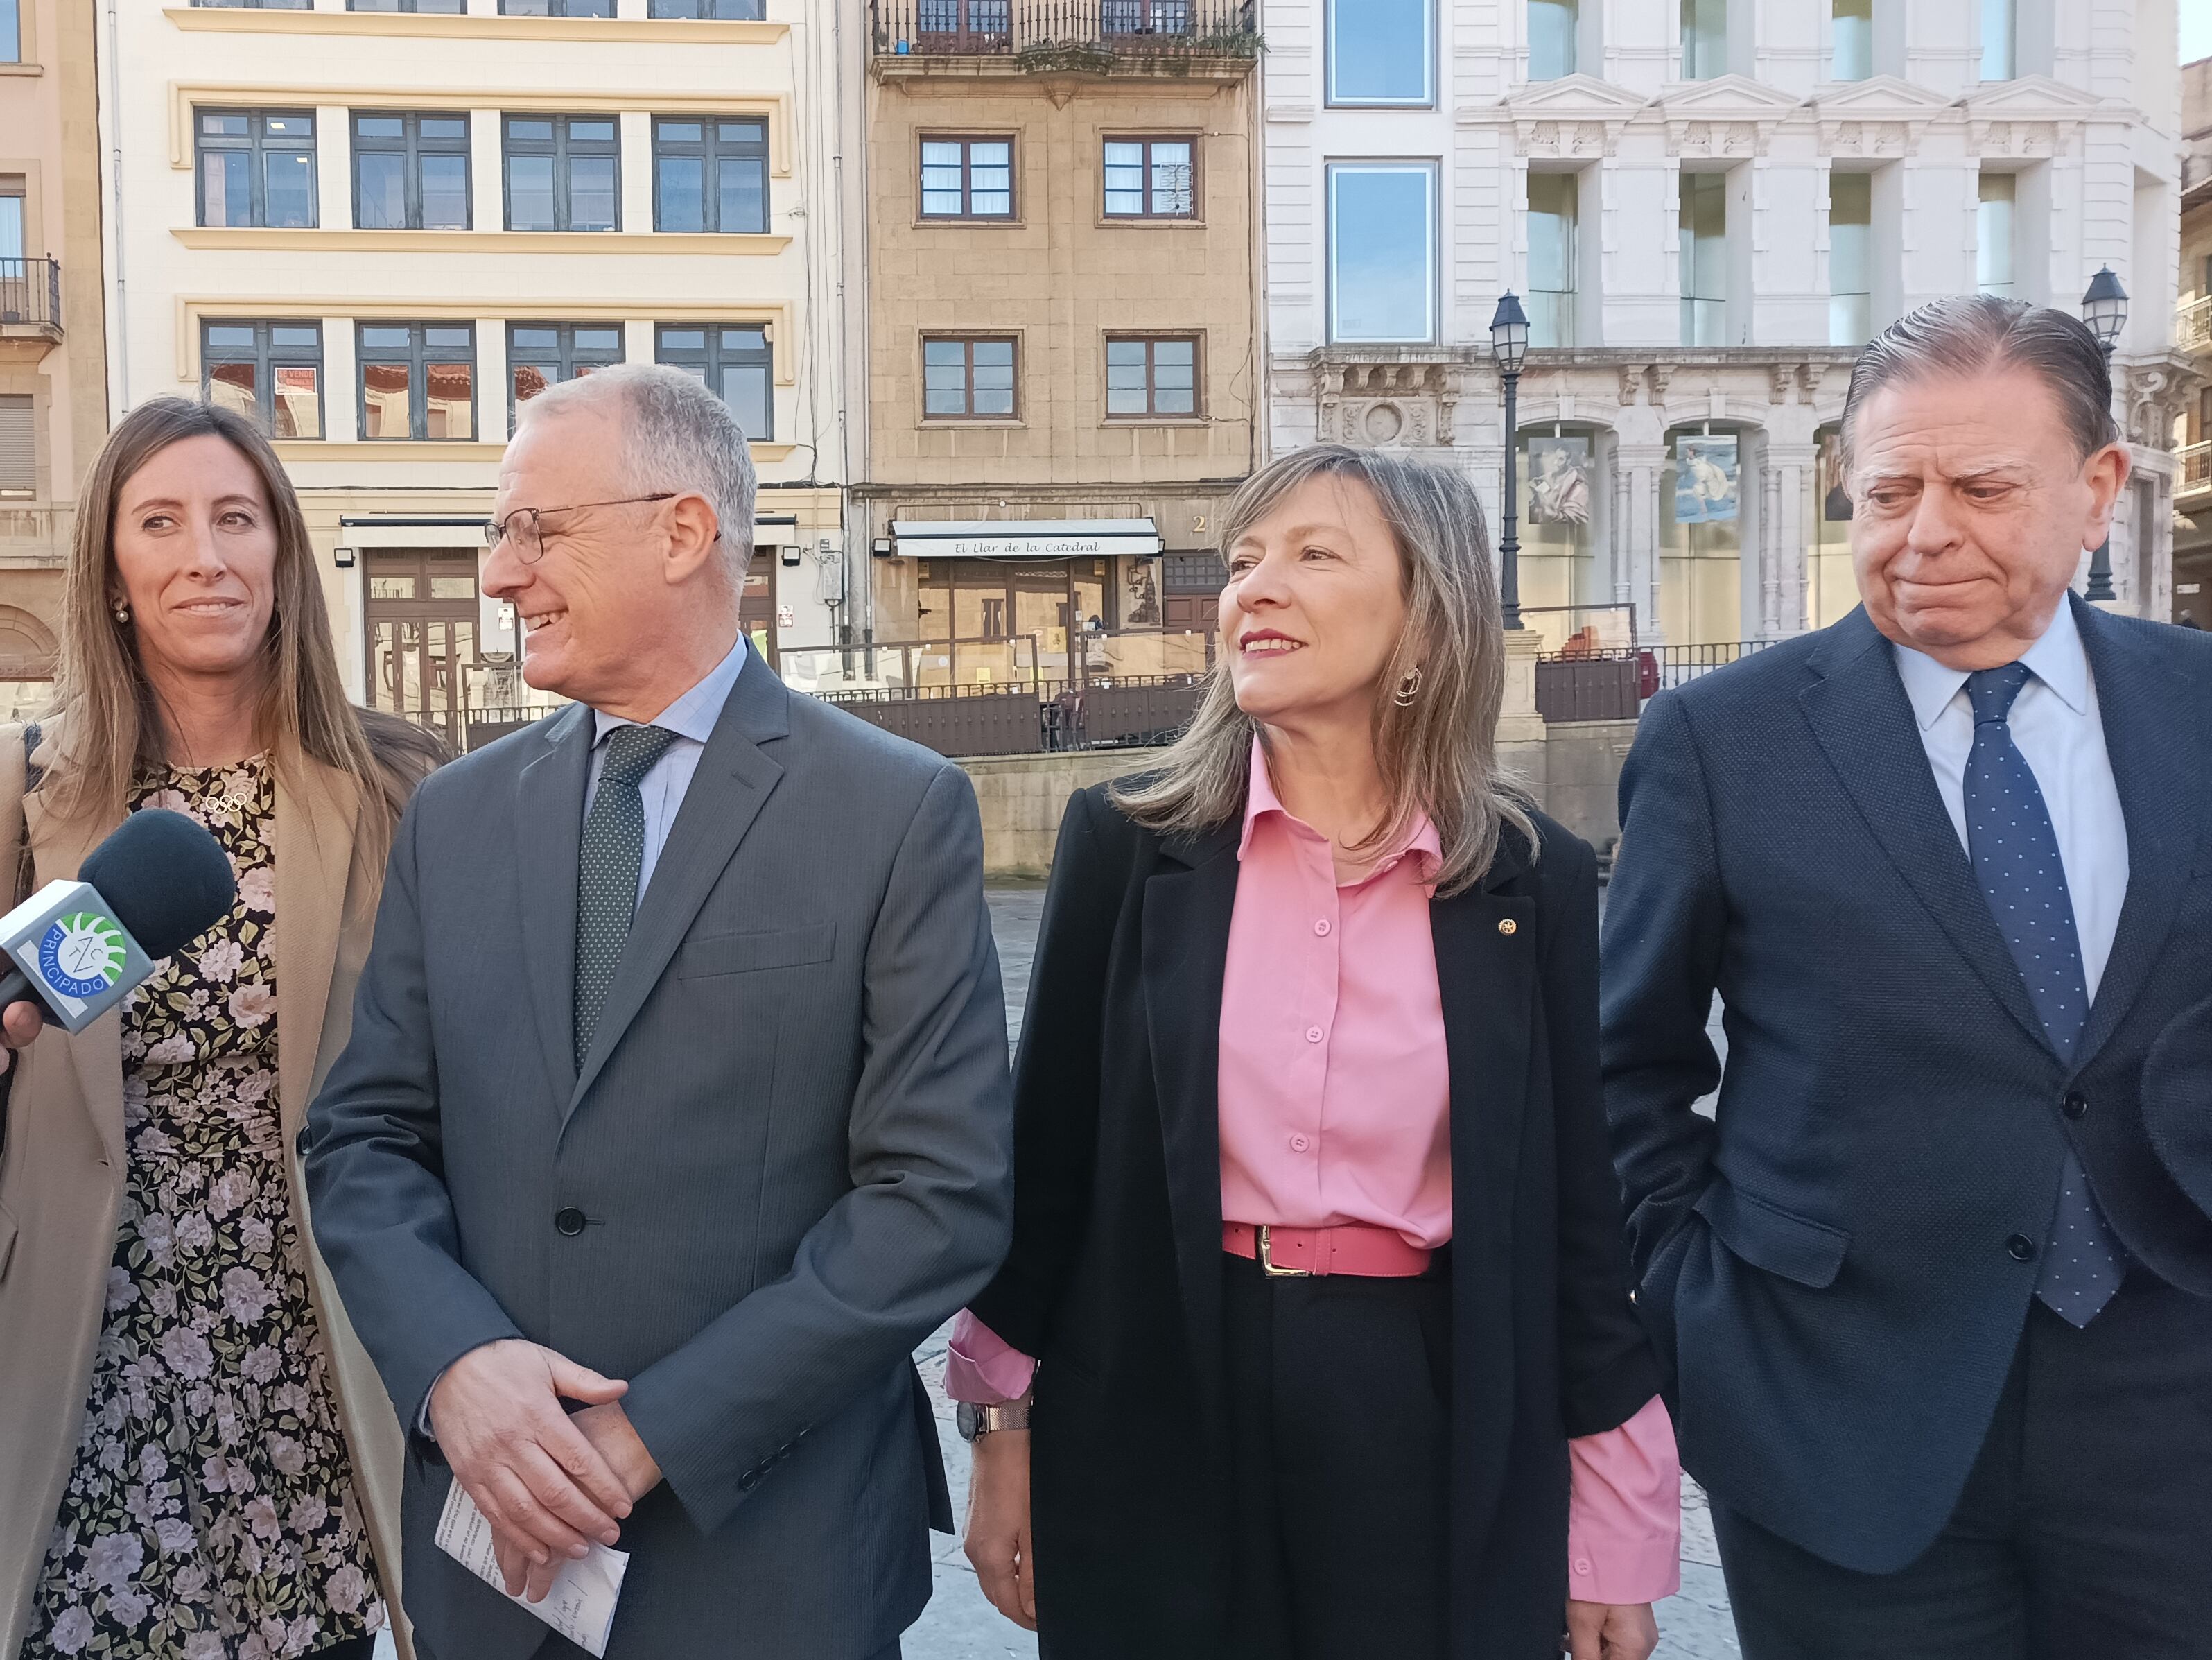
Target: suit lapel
1188	902
1859	712
316	811
734	779
2156	746
58	847
549	824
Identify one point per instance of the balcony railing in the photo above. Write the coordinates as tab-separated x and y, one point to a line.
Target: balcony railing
31	293
1057	27
2192	325
2192	470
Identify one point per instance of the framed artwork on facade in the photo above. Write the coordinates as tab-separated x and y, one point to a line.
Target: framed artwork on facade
1705	479
1558	481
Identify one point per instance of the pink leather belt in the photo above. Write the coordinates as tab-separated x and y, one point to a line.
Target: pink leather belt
1374	1253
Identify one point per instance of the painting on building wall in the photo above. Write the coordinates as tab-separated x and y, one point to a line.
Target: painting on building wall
1558	481
1141	593
1705	480
1835	492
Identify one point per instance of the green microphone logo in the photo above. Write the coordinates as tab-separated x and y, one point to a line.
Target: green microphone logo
81	956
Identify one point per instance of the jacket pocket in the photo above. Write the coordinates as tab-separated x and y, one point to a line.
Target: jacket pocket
1767	1236
744	953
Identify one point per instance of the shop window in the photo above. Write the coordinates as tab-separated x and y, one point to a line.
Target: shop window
1700	539
967	178
563	173
970	379
733	358
709	174
542	355
1835	589
410	172
255	167
417	381
1559	488
271	372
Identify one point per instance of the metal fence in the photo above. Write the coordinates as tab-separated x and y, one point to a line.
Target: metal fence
995	719
989	27
1613	685
31	292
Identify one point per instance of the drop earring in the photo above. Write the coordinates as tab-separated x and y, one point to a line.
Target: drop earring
122	611
1409	688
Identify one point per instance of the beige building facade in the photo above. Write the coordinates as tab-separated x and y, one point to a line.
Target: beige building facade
2192	332
378	231
1062	366
54	409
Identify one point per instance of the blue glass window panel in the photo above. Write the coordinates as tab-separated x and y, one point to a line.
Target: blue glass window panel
1382	253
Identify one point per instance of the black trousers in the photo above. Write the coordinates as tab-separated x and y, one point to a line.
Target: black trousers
1339	1389
2084	1532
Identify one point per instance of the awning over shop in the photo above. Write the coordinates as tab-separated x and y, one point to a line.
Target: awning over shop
1024	538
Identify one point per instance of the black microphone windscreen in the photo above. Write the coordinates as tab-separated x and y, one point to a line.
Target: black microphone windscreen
168	879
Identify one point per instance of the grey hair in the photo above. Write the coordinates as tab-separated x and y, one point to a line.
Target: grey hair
1438	755
677	437
1979	333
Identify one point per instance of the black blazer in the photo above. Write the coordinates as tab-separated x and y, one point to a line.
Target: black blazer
1835	1261
1113	1278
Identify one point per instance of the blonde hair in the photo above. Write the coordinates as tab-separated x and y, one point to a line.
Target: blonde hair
1438	755
110	727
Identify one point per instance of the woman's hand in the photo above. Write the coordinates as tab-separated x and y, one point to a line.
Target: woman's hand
1611	1631
998	1543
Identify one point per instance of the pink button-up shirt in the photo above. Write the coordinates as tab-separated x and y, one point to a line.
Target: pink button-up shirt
1335	1108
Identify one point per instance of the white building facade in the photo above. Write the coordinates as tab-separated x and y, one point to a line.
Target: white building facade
1707	206
377	226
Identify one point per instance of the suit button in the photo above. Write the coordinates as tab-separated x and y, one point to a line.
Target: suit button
570	1222
2020	1247
299	1141
2075	1105
749	1480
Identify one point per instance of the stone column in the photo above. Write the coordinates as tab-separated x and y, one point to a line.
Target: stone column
1786	535
1639	466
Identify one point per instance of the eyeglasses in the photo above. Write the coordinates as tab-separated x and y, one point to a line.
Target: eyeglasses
522	525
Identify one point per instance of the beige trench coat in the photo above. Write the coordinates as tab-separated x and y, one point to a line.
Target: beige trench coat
62	1174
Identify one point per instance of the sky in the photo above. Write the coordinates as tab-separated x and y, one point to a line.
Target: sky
2196	30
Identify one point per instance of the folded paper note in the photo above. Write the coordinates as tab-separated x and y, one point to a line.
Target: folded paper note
581	1604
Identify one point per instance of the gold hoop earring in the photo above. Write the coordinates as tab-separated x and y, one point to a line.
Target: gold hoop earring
1409	688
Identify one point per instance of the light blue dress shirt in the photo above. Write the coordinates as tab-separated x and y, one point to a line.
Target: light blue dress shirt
2056	727
691	718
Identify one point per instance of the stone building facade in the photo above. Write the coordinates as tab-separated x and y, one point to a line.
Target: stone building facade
2192	328
1706	207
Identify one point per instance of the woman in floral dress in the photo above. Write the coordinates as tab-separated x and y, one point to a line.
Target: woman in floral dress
229	1460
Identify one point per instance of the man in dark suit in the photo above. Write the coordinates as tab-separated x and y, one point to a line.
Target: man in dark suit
1936	1277
676	1088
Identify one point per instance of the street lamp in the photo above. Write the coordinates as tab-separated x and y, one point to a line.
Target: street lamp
2105	309
1509	344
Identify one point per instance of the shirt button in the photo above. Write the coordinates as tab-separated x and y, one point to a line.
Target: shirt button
1322	928
1299	1143
570	1222
1581	1565
1313	1034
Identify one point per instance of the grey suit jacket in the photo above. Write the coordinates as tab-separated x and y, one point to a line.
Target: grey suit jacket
785	1161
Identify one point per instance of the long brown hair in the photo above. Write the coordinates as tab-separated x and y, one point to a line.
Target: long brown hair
108	719
1438	755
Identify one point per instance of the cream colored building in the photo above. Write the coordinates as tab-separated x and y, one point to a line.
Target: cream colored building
2192	478
1063	382
54	408
377	227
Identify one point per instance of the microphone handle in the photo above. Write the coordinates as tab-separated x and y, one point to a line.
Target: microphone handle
15	988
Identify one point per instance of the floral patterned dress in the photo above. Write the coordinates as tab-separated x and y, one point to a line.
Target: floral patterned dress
211	1515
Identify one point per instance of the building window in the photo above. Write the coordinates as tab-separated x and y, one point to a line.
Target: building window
443	8
270	373
1704	39
1851	40
236	6
256	167
1380	51
729	11
563	173
967	178
1144	17
733	358
12	247
1552	25
410	172
2000	31
417	381
556	8
19	445
968	379
1382	250
1555	204
1703	234
1993	233
709	175
11	32
1149	178
1154	376
1851	258
542	355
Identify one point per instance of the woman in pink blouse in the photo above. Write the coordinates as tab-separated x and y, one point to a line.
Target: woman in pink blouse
1314	1338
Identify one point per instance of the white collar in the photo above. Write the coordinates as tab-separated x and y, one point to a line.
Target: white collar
2058	659
692	715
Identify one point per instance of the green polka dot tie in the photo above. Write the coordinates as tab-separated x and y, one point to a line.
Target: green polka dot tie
609	861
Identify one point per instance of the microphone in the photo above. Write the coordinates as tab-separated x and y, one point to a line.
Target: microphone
149	890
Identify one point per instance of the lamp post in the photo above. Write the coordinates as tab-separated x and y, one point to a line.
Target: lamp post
1509	344
2105	309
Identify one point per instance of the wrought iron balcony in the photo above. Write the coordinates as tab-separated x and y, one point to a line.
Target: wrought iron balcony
31	297
2192	472
2192	325
1065	34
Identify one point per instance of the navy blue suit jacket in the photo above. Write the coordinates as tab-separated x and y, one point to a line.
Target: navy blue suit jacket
1830	1265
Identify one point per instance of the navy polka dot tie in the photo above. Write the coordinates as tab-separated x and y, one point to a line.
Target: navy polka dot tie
2015	853
609	860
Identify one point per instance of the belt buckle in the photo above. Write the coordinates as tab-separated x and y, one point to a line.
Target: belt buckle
1267	1254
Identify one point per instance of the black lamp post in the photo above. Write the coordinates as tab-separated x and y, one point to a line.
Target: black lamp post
1509	344
2105	309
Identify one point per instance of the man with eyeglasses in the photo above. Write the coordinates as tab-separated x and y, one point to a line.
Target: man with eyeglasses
675	1109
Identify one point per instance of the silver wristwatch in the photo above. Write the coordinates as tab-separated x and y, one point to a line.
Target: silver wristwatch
974	1420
